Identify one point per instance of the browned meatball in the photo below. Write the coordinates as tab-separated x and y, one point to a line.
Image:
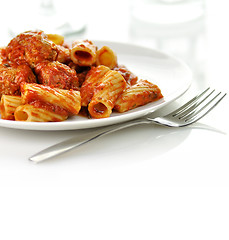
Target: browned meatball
2	55
63	54
12	77
57	74
31	48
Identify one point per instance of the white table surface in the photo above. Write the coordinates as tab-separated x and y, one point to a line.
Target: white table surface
144	182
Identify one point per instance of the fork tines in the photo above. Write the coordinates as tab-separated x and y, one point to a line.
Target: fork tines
199	106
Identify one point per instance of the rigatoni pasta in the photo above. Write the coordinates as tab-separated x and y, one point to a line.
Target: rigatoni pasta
92	79
39	103
31	113
83	53
56	38
68	100
139	94
43	78
106	56
106	93
8	106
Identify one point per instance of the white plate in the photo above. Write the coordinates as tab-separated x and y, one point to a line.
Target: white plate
171	75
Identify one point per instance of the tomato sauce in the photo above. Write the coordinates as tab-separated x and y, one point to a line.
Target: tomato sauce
34	99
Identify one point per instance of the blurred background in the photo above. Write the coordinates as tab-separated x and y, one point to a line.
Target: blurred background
192	30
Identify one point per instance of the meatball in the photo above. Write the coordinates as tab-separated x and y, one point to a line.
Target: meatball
31	48
63	54
12	76
2	55
57	74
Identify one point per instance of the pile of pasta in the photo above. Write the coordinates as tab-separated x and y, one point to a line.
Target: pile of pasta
44	79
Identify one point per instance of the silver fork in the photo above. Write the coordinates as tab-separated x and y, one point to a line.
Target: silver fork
187	114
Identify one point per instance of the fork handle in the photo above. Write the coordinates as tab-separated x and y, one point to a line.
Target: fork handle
78	141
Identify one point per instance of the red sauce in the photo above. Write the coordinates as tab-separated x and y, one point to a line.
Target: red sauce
99	108
82	55
34	99
84	112
50	107
130	78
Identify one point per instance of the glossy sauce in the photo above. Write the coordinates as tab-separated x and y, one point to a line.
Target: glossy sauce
34	99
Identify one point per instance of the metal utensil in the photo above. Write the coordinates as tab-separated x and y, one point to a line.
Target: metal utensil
187	114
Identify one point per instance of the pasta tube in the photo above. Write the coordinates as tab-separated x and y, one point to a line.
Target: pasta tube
31	113
106	56
136	95
69	100
83	53
8	106
111	86
56	38
92	79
